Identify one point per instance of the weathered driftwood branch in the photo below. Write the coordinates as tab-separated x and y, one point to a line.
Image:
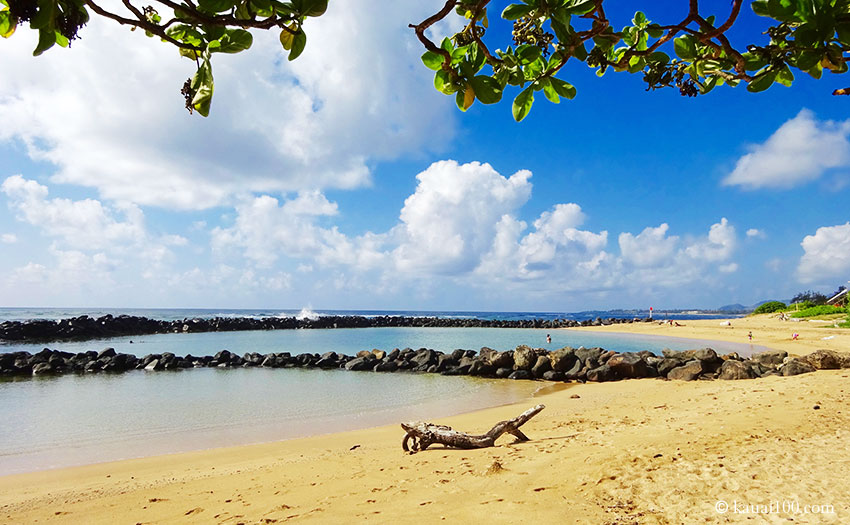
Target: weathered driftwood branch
426	434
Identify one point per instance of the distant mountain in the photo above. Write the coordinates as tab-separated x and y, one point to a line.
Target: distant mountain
735	308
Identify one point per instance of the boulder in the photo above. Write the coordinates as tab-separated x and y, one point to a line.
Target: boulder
42	369
796	366
628	365
577	371
379	354
732	369
106	352
824	360
601	373
667	364
541	366
588	354
771	358
424	358
503	372
520	374
524	358
360	363
562	359
481	368
502	359
553	375
687	372
154	364
386	366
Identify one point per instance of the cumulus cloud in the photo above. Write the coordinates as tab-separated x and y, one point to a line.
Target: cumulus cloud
109	115
8	238
756	233
800	151
650	247
451	218
80	224
719	245
827	255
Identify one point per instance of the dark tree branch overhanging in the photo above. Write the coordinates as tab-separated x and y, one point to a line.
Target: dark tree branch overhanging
693	55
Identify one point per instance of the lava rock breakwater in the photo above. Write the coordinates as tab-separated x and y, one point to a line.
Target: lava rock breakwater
85	327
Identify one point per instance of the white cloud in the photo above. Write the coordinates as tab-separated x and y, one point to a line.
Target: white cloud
728	268
80	224
650	247
800	151
827	255
450	220
719	245
8	238
109	115
756	233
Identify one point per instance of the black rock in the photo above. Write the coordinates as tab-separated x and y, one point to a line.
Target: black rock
628	365
601	373
520	374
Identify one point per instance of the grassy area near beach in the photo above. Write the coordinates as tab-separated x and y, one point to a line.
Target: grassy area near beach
635	451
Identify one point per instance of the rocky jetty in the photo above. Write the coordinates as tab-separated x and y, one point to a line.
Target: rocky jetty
85	327
566	364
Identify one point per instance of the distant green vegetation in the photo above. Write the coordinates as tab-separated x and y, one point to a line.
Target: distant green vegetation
845	324
770	307
819	310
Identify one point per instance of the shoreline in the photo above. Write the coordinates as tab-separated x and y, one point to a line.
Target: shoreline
767	331
641	450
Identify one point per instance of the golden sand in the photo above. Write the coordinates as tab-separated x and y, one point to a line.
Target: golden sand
636	451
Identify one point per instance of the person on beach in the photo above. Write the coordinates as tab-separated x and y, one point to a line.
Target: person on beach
548	339
750	335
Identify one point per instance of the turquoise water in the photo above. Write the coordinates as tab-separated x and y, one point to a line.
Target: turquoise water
50	422
82	419
351	340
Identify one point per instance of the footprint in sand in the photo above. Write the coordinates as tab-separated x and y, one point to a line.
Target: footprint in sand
196	510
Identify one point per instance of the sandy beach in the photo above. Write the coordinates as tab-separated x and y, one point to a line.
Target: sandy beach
635	451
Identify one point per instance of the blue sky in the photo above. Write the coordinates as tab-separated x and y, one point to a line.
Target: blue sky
344	180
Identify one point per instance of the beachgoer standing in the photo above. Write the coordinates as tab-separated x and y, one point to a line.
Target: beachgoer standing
548	339
750	335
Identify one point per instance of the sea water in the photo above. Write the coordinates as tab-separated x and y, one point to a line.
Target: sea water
74	419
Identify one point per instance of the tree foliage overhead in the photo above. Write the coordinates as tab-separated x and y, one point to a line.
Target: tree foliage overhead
691	54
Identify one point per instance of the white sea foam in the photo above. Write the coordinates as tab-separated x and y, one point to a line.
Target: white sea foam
308	314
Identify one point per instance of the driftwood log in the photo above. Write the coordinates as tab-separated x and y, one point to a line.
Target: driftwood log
426	434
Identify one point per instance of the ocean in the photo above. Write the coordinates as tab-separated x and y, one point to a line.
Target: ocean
51	422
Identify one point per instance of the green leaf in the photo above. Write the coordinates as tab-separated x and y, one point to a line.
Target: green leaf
639	19
299	40
515	11
61	40
685	47
202	85
784	76
45	14
7	25
808	59
761	82
487	89
447	45
522	103
579	7
782	10
46	39
760	8
216	6
443	83
432	60
549	91
528	53
565	89
313	7
233	41
286	39
654	30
